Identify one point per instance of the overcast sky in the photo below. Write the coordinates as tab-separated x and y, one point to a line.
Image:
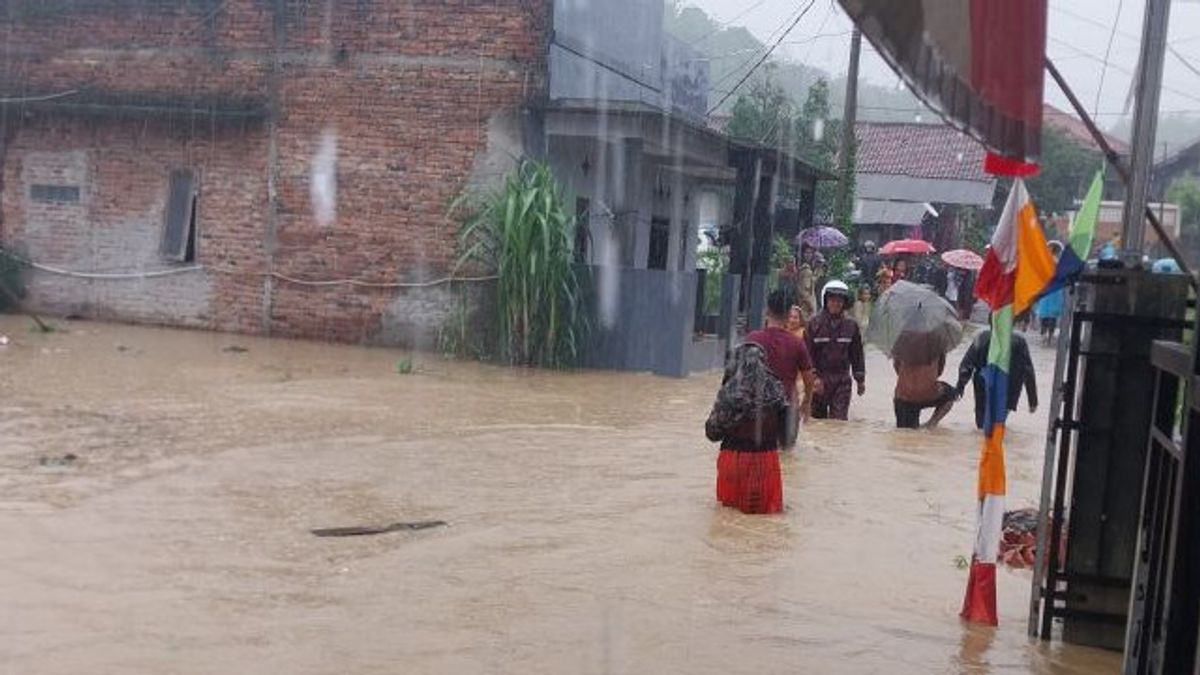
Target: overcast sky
1078	38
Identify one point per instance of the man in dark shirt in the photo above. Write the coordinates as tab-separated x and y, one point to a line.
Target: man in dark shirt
787	356
1020	374
835	345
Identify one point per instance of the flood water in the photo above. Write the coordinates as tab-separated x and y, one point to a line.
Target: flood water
583	533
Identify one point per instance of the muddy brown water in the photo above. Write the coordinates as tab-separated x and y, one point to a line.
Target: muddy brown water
583	537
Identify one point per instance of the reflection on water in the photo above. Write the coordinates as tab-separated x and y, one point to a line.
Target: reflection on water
583	534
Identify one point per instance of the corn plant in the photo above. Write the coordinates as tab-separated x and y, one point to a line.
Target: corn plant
524	234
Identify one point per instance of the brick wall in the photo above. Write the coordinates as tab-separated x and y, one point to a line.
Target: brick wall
408	92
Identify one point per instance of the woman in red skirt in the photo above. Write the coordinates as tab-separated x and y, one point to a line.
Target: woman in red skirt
748	419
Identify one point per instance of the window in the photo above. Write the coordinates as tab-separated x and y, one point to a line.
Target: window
179	227
583	229
54	194
660	243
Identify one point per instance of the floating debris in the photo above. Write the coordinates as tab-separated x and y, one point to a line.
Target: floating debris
366	530
63	460
235	349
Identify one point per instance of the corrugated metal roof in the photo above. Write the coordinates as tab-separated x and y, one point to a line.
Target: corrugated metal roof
871	211
933	190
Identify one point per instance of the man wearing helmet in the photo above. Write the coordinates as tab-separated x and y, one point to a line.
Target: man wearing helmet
835	345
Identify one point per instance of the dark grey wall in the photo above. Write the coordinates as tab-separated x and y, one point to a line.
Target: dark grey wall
654	316
617	51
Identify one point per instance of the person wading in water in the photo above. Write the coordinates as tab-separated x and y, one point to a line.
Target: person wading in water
835	344
748	419
788	358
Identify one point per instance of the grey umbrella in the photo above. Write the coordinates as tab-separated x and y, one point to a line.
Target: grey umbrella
913	324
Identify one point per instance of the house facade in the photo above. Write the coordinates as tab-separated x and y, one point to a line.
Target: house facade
257	166
918	181
286	168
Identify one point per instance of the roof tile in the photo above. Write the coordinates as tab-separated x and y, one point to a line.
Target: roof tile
919	150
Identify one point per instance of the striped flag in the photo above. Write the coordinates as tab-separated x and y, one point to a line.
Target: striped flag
1083	230
1017	268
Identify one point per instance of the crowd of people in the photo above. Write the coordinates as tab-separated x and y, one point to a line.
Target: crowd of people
808	361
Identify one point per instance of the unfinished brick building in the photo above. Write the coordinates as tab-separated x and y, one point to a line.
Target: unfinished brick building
286	167
232	164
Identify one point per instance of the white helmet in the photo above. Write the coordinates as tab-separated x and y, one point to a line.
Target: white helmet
837	288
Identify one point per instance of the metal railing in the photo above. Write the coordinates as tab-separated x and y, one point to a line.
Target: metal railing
1164	614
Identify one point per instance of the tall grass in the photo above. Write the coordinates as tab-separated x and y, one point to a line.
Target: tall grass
524	234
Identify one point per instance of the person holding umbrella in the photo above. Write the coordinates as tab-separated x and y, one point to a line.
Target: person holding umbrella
868	262
835	345
806	281
917	328
960	291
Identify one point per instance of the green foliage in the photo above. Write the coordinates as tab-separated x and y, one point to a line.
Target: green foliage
767	115
1185	191
762	115
524	234
716	263
731	50
781	252
976	233
404	366
811	135
1066	172
818	137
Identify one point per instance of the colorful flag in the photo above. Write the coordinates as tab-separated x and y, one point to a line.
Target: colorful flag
978	63
1017	268
1083	230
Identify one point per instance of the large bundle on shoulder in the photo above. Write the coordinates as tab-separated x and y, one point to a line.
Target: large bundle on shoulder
751	407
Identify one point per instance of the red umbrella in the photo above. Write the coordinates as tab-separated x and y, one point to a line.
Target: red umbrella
963	259
918	246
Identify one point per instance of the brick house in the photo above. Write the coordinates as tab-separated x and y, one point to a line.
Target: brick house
286	167
175	152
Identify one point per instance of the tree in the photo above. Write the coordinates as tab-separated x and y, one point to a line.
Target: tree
1185	191
763	115
817	139
766	115
1067	168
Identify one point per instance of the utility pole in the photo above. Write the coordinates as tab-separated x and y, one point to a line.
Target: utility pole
1145	125
849	117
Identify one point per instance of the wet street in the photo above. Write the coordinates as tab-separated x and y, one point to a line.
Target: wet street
583	532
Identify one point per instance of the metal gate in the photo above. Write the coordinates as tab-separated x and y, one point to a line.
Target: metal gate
1165	604
1096	456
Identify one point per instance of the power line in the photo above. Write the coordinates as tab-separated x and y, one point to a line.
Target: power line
1117	68
1179	56
1128	36
722	25
764	58
737	69
1108	52
804	41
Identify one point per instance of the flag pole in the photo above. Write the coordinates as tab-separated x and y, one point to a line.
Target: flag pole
1041	557
1114	160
